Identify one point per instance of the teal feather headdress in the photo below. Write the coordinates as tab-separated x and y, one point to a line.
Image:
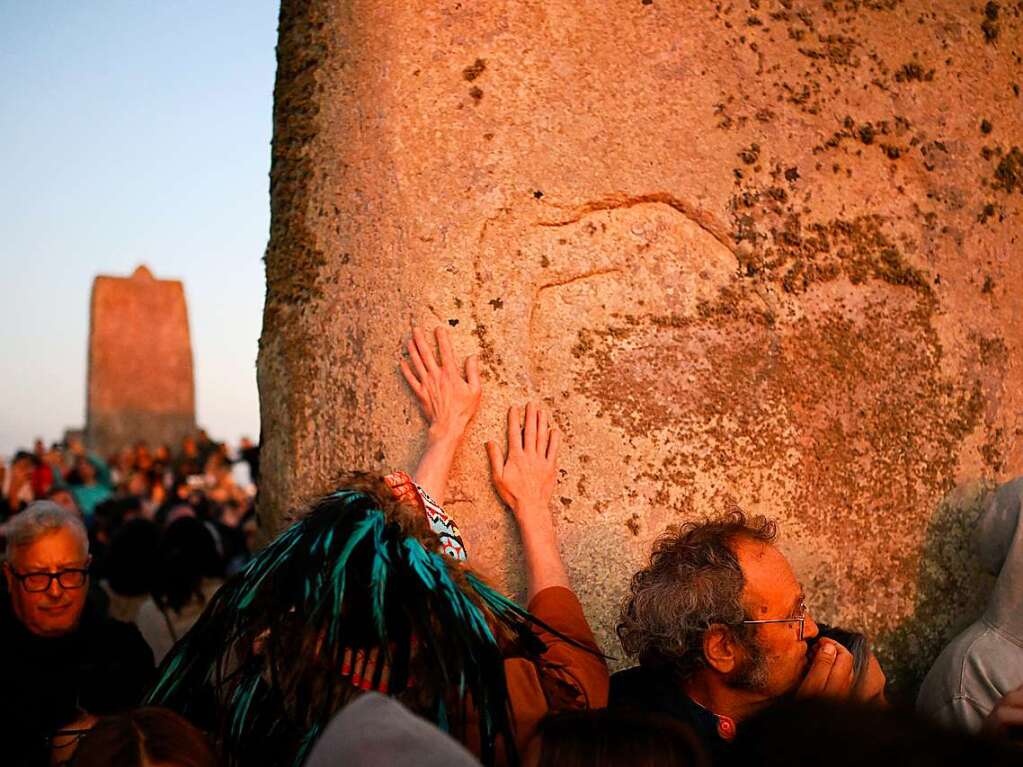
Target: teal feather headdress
263	669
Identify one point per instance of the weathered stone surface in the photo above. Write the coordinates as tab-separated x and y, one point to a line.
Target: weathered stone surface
140	363
762	253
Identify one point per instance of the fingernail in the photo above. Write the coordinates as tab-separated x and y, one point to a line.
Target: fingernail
828	649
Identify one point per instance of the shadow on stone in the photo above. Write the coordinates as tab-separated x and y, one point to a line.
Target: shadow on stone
952	590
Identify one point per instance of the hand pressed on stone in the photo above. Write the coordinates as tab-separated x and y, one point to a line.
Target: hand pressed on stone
526	477
448	399
525	480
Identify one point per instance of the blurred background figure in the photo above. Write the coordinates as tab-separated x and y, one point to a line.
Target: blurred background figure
188	572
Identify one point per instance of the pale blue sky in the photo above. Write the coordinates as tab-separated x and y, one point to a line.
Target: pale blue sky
131	132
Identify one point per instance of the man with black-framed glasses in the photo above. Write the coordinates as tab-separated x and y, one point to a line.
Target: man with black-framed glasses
63	657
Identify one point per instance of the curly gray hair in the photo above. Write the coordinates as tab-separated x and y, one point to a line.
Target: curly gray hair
692	582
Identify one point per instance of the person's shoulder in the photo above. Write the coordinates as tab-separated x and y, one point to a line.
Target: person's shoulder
960	665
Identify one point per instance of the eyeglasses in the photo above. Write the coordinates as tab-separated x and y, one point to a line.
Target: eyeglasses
800	619
34	583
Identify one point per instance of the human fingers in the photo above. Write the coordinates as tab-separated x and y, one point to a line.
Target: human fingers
1014	698
346	662
529	431
417	361
820	668
425	347
840	680
1010	717
496	459
411	378
447	355
543	432
472	372
554	445
514	429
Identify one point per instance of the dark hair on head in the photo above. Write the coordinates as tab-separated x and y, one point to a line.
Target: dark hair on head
25	455
144	737
692	582
129	562
358	575
617	738
187	553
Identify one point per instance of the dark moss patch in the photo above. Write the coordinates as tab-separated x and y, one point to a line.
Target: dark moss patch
778	245
1009	173
474	70
750	155
990	24
914	72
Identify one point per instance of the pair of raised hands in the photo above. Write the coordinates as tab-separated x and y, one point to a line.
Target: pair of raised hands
449	395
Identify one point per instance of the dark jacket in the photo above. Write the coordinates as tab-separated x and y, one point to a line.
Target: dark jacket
647	690
101	667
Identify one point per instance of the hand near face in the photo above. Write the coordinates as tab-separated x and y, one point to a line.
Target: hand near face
1006	718
830	674
448	399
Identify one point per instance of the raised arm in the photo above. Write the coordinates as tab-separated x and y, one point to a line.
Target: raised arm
448	400
525	480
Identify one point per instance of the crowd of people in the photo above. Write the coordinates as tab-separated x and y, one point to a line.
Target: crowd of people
141	627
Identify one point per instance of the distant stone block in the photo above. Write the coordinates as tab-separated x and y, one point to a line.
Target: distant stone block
141	384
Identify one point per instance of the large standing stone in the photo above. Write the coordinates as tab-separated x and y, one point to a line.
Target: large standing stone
762	253
140	363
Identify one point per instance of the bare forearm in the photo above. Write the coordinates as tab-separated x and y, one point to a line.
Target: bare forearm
434	466
544	567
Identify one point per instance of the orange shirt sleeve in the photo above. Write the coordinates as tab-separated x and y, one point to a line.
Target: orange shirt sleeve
568	677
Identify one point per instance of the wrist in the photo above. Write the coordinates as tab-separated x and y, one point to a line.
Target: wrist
531	506
446	436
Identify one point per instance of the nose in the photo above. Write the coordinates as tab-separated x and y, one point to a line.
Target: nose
55	590
810	629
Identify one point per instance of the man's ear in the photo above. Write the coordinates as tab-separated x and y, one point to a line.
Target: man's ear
720	649
9	575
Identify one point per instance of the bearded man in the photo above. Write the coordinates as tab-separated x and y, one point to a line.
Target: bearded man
718	622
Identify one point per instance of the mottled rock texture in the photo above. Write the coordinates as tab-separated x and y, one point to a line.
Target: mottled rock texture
763	253
140	363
